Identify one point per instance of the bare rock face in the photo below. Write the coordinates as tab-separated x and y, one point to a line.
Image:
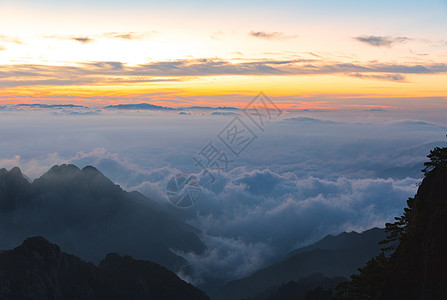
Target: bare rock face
39	270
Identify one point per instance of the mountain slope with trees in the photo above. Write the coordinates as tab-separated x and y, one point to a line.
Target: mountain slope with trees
38	269
413	264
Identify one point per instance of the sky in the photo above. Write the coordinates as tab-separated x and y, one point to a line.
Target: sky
223	53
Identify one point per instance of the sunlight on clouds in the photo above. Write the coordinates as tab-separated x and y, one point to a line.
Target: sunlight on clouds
194	86
204	50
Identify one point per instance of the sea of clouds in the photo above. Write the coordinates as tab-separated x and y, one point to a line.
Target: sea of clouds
308	174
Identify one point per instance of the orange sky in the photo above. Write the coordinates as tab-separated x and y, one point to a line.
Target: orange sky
202	55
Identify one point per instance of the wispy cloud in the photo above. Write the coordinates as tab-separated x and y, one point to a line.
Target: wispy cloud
216	35
381	41
186	69
271	35
389	77
106	35
10	39
2	48
83	40
130	35
115	65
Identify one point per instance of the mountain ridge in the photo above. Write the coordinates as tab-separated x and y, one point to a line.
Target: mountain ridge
336	259
89	215
138	106
38	269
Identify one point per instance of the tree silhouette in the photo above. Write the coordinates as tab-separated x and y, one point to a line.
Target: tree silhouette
438	158
403	233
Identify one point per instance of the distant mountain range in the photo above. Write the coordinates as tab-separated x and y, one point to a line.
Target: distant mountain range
89	216
147	106
224	113
139	106
136	106
38	269
212	108
50	105
333	256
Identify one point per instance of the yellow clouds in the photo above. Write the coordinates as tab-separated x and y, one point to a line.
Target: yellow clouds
299	75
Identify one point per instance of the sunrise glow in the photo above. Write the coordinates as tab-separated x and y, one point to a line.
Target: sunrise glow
106	53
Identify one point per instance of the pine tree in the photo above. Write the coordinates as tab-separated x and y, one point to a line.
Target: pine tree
438	158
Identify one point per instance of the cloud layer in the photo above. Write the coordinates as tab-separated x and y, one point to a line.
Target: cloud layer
115	72
308	175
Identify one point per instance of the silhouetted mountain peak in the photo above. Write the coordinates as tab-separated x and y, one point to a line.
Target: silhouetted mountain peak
69	179
14	188
39	248
58	174
38	243
91	169
115	263
38	269
13	174
345	240
110	259
89	215
92	173
16	172
63	169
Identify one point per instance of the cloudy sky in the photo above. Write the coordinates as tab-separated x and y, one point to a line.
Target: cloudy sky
178	52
